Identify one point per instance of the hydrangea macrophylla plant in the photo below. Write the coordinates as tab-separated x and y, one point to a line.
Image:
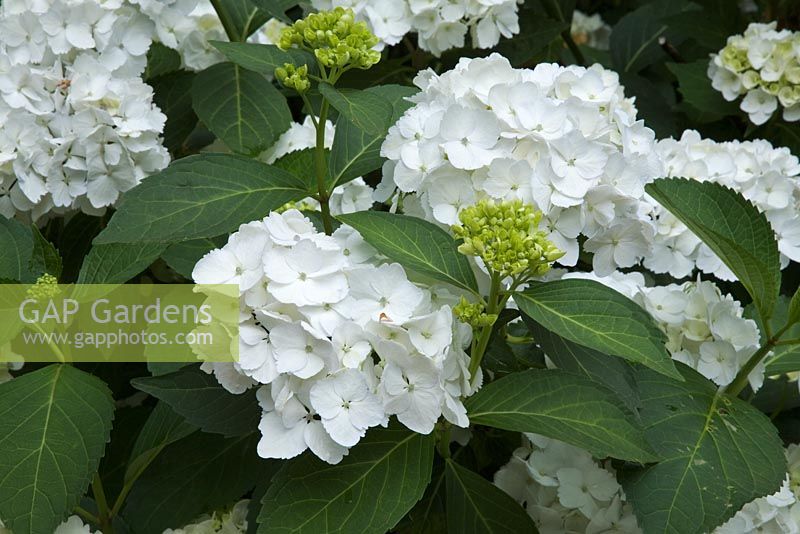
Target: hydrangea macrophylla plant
764	65
479	284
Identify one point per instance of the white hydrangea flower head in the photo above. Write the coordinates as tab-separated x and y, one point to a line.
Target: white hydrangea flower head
563	139
80	126
336	340
763	64
765	175
233	521
439	24
564	489
590	30
350	197
705	329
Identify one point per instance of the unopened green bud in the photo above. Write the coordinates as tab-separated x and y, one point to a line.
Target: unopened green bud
473	314
294	77
46	287
505	236
335	38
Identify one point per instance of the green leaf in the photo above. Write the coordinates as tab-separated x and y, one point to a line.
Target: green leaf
563	406
241	107
416	244
240	17
162	427
44	256
614	373
200	196
429	515
730	226
16	242
595	316
182	257
263	58
356	152
368	110
793	314
160	61
475	505
173	95
118	262
198	474
718	454
54	425
695	86
634	39
369	491
299	163
201	399
277	8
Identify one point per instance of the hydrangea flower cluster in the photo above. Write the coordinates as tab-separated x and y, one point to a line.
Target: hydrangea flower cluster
504	236
705	329
564	489
335	38
337	341
779	512
439	24
233	521
764	65
349	197
765	175
563	139
590	30
80	126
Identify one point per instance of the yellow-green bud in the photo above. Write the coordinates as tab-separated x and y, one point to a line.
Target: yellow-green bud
46	287
505	236
294	77
335	38
473	314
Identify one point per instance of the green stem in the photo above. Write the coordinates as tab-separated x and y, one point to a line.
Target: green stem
103	513
740	381
793	341
321	169
56	350
553	11
227	22
486	333
87	516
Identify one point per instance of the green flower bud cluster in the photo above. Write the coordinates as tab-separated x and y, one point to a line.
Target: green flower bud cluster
335	38
294	77
474	314
46	287
505	236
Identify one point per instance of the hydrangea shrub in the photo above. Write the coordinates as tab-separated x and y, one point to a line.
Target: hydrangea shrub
503	265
